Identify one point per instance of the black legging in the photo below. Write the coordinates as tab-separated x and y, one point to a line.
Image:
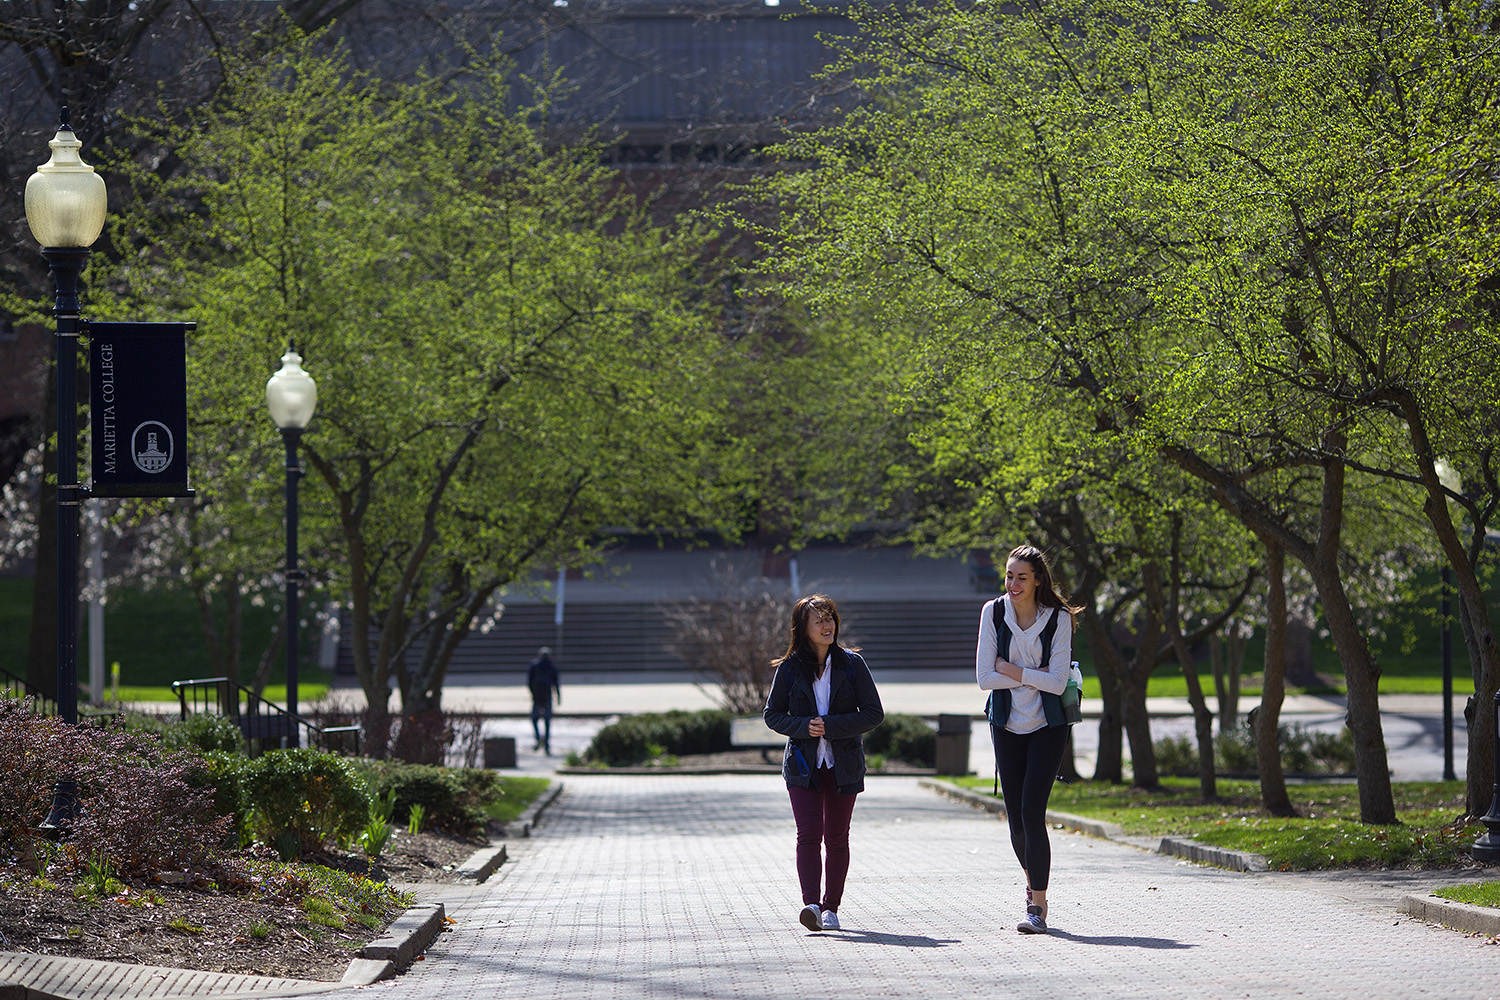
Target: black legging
1028	765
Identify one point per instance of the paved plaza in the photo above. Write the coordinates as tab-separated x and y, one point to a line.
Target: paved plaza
683	886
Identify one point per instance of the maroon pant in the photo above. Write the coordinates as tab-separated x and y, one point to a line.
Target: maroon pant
822	816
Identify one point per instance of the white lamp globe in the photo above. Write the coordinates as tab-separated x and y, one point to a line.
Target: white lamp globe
65	199
291	394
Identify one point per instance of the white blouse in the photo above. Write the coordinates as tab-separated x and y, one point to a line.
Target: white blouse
822	691
1026	713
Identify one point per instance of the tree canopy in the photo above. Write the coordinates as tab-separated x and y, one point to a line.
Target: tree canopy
512	359
1251	241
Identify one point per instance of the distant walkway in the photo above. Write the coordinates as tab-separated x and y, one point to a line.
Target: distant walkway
1412	723
918	692
683	887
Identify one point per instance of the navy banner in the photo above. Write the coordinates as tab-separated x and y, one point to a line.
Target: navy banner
138	409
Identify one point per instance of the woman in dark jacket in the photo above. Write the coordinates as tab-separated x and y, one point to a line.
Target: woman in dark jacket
823	699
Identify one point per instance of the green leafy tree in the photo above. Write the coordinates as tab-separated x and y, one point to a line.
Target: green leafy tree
1125	214
511	358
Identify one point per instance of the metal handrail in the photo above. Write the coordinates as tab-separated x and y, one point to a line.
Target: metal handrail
262	721
20	689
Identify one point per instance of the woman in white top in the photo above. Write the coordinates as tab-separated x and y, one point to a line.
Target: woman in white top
1026	720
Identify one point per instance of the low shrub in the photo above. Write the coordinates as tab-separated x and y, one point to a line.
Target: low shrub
904	737
451	798
628	742
301	799
203	731
144	808
224	775
1303	751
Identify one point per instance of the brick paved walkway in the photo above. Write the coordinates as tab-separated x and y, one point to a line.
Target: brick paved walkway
684	887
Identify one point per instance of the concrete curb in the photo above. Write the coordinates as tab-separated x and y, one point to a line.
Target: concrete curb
1180	847
364	971
1459	916
54	977
1204	854
1083	824
529	819
481	864
406	938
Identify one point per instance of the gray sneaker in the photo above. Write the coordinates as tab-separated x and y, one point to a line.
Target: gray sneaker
811	917
1033	924
830	920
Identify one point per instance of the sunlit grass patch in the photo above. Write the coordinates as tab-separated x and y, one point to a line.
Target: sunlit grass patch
1327	834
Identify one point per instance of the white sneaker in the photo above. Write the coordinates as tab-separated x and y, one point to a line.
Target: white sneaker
811	917
830	920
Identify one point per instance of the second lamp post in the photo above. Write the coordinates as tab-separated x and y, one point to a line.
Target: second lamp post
291	396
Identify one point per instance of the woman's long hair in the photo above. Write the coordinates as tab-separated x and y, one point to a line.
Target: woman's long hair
799	650
1047	595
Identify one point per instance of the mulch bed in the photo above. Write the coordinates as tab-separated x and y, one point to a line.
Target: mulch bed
213	932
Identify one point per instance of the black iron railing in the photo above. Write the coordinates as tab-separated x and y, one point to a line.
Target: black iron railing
18	689
266	725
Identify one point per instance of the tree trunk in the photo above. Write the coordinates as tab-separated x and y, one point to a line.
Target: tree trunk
1479	633
1109	764
276	645
1267	724
1137	716
1203	719
1362	677
1137	724
1226	653
1297	647
1376	802
224	648
1168	611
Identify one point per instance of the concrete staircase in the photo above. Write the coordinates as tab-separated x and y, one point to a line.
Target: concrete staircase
905	612
631	637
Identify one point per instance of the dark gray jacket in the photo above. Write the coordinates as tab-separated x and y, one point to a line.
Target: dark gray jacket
853	709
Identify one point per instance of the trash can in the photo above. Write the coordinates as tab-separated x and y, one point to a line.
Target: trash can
953	735
500	751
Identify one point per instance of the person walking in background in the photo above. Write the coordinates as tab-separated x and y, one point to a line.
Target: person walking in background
1023	657
543	679
823	700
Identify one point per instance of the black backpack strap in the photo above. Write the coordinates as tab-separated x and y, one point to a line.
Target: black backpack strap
1048	631
1002	630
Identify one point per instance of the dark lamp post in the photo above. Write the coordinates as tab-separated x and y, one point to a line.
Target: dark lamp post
291	396
65	208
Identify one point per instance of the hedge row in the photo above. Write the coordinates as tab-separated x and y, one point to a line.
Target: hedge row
904	737
634	739
630	740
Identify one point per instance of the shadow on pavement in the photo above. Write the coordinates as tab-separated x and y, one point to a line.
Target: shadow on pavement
1121	942
901	940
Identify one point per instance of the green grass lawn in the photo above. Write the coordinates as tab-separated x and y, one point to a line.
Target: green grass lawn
518	794
1327	834
1478	894
156	638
